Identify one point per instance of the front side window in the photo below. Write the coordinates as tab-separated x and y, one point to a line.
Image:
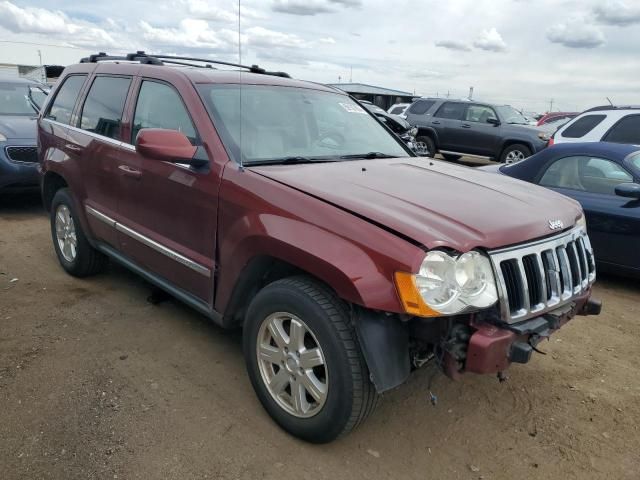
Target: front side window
264	122
66	98
627	130
635	161
510	115
453	111
102	111
582	126
479	113
160	106
586	174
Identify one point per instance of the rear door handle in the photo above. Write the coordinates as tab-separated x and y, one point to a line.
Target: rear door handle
435	122
466	125
130	172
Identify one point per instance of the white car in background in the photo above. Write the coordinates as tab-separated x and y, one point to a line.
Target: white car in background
602	124
398	108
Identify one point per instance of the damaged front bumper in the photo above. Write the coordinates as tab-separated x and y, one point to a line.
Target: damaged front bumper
493	347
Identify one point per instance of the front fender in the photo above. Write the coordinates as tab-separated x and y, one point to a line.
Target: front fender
354	257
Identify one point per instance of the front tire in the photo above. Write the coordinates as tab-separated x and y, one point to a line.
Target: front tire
430	144
515	153
304	360
74	252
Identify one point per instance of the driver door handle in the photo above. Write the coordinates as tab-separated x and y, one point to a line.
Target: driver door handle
435	122
466	125
130	172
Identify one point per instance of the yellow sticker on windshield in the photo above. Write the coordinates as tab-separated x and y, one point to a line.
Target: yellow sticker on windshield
352	107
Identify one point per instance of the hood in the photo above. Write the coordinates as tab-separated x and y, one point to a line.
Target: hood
18	126
434	203
532	129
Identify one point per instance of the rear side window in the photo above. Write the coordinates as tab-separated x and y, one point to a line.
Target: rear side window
582	126
397	110
452	111
102	111
421	106
627	130
160	106
62	106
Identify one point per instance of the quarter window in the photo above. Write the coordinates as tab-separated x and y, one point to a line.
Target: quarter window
420	107
582	126
627	130
479	113
160	106
450	110
586	174
62	106
102	111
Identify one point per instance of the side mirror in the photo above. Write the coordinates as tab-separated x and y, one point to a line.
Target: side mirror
493	121
167	145
629	190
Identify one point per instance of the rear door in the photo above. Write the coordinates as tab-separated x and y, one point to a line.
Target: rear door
613	222
94	140
476	135
169	210
446	121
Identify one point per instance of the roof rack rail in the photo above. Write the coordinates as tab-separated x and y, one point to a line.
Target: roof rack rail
142	57
602	108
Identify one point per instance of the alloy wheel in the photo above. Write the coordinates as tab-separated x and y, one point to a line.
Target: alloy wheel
514	156
292	364
66	233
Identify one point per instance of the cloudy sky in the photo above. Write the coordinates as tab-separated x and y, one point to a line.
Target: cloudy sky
522	52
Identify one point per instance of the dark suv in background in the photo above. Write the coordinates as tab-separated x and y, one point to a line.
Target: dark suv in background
457	127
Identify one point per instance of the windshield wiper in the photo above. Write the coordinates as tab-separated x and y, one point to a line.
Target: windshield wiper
287	161
369	155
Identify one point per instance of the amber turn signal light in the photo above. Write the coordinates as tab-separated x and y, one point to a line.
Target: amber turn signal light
410	296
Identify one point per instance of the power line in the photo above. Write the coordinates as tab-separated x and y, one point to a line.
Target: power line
43	44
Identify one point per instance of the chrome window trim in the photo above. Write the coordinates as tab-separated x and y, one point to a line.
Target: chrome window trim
110	140
158	247
561	246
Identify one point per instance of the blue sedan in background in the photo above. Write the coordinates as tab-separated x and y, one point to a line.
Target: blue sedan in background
605	179
20	101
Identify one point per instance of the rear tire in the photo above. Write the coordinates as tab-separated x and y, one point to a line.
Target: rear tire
451	158
343	395
74	252
431	145
515	153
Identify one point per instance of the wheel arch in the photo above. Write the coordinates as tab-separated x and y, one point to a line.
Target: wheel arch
429	132
511	141
51	183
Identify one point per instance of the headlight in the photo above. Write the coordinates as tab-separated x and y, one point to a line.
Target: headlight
545	137
413	132
3	138
447	285
581	222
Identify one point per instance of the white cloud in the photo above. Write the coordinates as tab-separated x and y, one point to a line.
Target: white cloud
617	13
47	22
301	7
204	10
576	33
328	40
453	45
490	40
191	33
263	37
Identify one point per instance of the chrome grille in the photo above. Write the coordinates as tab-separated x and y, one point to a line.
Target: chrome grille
22	154
538	277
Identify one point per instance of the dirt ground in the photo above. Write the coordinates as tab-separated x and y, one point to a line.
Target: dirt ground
95	382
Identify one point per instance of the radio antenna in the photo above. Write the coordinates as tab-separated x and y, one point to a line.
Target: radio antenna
240	94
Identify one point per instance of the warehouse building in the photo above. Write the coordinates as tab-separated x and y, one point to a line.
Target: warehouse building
383	97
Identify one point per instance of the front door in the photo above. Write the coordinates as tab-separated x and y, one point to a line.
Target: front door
476	135
168	210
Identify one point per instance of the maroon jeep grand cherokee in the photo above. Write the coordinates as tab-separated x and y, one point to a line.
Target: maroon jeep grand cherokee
283	207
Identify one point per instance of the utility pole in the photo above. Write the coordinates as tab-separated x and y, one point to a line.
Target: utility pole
339	78
470	93
351	75
42	72
551	105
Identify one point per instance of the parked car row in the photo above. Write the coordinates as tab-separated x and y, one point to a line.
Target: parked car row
348	260
20	102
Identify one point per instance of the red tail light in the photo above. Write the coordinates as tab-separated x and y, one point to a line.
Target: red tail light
551	142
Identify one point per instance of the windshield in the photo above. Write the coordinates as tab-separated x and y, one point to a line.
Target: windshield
20	99
287	122
511	115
